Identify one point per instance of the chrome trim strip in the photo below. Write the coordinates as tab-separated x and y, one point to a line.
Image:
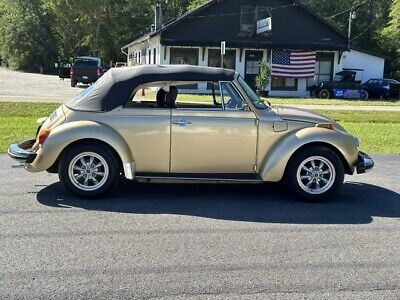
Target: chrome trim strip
198	179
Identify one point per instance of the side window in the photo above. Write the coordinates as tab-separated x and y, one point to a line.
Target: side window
198	95
187	95
230	97
149	96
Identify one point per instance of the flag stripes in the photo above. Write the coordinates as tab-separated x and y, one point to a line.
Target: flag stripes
293	64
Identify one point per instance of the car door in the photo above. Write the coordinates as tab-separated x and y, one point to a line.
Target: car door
146	129
214	141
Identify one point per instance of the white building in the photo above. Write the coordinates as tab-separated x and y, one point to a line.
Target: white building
195	38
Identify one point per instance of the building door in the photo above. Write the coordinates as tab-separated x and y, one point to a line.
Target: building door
252	62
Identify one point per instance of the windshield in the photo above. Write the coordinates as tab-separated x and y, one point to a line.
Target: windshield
257	102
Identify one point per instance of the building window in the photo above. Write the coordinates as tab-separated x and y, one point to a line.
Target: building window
150	57
184	56
284	84
214	58
247	18
249	15
323	69
155	55
143	56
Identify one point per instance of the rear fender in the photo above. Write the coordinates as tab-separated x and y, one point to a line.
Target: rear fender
276	159
68	133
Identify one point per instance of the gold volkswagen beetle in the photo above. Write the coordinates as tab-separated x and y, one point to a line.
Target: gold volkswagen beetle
146	124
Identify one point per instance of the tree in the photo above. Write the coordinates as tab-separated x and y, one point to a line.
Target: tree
195	3
27	37
391	39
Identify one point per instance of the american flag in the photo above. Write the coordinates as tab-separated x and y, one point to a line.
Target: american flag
293	64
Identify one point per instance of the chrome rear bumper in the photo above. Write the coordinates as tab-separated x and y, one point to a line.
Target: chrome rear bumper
365	163
22	152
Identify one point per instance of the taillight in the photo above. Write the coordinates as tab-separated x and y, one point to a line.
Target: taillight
72	71
99	72
42	136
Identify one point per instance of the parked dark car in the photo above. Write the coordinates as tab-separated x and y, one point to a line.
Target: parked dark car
343	86
383	88
86	70
64	69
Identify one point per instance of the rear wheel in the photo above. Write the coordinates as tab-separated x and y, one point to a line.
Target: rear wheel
89	171
324	94
315	174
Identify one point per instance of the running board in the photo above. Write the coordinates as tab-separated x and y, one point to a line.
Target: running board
199	178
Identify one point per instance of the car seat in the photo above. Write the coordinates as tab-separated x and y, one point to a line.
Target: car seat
160	97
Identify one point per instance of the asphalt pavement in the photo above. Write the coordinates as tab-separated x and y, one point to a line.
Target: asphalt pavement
179	241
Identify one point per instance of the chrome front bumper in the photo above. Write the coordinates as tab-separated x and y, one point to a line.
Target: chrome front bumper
22	152
365	163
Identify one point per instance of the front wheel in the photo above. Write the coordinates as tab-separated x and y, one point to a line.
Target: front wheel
324	94
89	171
315	174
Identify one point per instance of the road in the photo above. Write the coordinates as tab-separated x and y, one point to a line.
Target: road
191	241
28	87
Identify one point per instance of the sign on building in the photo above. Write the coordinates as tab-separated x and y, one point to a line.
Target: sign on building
223	46
264	25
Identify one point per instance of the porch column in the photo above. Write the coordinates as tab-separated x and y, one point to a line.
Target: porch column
204	63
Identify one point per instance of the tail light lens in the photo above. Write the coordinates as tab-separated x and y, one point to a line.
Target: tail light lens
42	136
99	72
72	71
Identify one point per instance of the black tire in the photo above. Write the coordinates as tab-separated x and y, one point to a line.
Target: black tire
102	154
73	83
366	95
294	173
324	94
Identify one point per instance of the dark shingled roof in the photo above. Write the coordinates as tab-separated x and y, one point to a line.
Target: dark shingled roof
294	26
115	87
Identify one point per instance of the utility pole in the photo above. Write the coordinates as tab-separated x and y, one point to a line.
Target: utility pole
352	16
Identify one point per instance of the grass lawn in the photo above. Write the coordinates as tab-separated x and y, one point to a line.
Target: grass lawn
290	101
379	131
314	101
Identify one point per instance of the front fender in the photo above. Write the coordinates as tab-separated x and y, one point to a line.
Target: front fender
65	134
276	159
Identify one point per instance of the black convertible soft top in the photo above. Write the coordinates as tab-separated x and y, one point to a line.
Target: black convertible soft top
116	86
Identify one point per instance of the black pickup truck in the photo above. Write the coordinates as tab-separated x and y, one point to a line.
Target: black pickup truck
86	70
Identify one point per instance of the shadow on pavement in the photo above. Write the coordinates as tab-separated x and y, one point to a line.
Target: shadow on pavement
356	204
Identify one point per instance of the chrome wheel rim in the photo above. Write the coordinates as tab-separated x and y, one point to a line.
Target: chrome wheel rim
316	175
88	171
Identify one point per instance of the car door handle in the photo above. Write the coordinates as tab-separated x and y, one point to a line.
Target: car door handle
182	122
